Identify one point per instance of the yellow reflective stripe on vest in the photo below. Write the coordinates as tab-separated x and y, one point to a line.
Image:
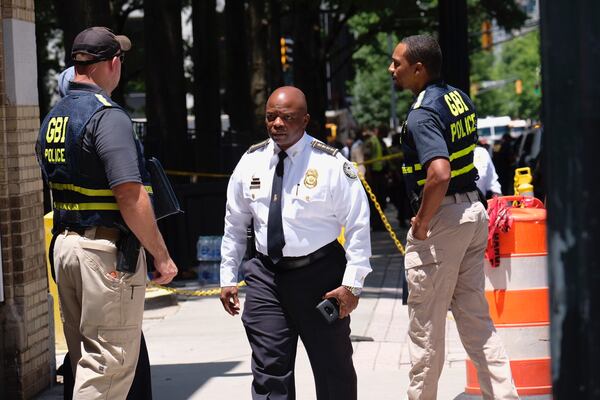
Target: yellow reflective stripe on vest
86	191
453	156
87	206
409	170
82	190
458	172
462	153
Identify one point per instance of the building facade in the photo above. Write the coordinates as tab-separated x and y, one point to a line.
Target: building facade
25	355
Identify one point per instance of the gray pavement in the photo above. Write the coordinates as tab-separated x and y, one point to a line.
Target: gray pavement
197	351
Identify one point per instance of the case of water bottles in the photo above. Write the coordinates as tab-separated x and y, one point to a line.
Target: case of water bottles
208	254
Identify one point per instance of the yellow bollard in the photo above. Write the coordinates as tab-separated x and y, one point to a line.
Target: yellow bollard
59	335
523	180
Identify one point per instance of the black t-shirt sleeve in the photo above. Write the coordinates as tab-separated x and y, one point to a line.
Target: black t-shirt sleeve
112	136
427	132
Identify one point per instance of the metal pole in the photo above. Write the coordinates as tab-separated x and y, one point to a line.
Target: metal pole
571	147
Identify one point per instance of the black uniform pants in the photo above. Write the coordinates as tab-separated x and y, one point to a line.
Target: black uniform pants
279	308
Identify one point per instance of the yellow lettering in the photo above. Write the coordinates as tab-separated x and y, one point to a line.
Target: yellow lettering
451	105
457	103
55	156
472	127
453	130
64	130
58	129
460	98
50	131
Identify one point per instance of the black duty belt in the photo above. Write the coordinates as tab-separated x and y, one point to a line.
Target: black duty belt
289	263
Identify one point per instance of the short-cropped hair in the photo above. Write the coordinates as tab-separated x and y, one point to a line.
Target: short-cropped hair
426	50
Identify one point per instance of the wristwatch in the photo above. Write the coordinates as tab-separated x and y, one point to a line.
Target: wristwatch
354	290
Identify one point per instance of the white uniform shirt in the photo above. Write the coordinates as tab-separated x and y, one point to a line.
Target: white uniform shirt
320	194
488	179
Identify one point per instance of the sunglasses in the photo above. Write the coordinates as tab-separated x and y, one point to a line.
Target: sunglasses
121	57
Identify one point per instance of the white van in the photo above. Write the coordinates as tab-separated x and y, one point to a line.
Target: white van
492	128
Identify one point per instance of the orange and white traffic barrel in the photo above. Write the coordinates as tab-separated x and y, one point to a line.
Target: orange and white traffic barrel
518	296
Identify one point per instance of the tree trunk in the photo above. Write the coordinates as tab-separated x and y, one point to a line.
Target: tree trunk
454	41
165	85
77	15
258	78
207	104
238	102
309	64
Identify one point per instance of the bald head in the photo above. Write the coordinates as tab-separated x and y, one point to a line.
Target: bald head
289	95
286	116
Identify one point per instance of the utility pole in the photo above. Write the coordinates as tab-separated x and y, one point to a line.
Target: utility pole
571	146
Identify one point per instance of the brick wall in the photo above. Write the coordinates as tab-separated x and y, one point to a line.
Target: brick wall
24	333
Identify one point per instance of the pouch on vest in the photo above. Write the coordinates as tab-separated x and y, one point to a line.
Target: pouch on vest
164	199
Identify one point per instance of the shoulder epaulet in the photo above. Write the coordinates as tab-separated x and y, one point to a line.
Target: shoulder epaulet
324	147
103	100
419	99
257	146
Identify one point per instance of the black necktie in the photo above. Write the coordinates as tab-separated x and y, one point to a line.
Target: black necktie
275	239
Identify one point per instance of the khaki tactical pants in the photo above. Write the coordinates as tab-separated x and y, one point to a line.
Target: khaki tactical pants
102	312
446	271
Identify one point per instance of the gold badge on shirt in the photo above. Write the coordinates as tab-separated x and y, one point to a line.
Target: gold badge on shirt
310	179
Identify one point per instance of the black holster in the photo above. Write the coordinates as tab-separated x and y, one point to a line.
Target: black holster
250	242
415	201
128	247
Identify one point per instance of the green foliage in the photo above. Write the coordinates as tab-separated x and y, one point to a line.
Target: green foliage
518	59
371	86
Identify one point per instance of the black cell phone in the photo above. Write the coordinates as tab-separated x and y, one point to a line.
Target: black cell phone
329	309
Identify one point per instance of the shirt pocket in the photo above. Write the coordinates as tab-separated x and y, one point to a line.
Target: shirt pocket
309	201
258	201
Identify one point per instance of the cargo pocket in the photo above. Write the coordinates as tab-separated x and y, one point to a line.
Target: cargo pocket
117	343
421	266
102	258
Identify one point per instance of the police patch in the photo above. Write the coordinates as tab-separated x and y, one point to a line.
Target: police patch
349	170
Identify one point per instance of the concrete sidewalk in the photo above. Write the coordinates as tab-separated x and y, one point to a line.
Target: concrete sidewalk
197	351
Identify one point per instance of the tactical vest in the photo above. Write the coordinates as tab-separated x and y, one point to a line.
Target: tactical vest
81	195
457	114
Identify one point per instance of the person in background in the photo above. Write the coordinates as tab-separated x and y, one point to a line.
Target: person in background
376	175
357	153
347	147
488	179
504	161
397	189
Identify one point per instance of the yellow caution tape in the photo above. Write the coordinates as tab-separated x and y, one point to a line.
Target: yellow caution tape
383	158
214	175
384	219
195	293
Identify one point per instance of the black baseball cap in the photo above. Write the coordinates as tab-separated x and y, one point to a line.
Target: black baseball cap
100	43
